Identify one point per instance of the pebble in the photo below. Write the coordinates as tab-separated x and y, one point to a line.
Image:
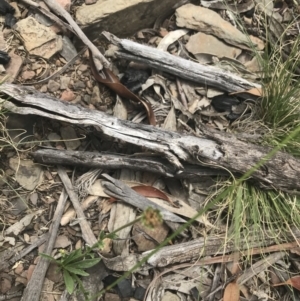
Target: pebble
87	98
53	86
77	99
64	82
79	85
67	95
95	95
44	89
83	68
28	74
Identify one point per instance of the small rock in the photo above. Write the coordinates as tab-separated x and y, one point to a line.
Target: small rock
28	174
87	98
62	242
53	86
113	15
208	21
18	206
28	74
79	85
68	133
19	269
64	82
33	198
53	137
83	68
89	84
96	95
38	39
44	89
13	68
68	50
67	95
202	43
77	99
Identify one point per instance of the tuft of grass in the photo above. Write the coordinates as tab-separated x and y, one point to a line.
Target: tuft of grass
247	210
280	106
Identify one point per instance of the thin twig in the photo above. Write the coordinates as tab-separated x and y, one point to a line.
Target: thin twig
34	287
98	57
86	230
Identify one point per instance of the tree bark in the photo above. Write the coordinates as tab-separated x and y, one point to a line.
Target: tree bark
214	149
106	161
196	72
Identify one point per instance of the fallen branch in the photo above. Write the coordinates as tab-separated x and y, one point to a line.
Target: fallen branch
211	246
216	149
196	72
13	256
34	287
106	161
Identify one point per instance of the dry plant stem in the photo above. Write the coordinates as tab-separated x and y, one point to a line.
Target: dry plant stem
10	296
255	269
99	59
49	14
229	258
216	150
178	66
121	191
87	233
34	287
260	266
181	93
6	262
216	281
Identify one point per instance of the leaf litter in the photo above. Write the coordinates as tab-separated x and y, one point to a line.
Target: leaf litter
168	101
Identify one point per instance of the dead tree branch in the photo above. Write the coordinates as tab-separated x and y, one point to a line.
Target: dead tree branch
196	72
217	150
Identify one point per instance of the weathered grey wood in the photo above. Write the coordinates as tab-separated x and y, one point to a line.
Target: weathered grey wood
196	72
218	149
87	233
106	161
213	245
34	287
121	191
13	256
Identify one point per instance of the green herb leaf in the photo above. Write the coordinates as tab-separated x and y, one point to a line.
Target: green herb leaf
76	271
48	257
84	264
73	257
69	282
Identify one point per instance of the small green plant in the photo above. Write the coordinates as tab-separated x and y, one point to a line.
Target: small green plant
73	265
